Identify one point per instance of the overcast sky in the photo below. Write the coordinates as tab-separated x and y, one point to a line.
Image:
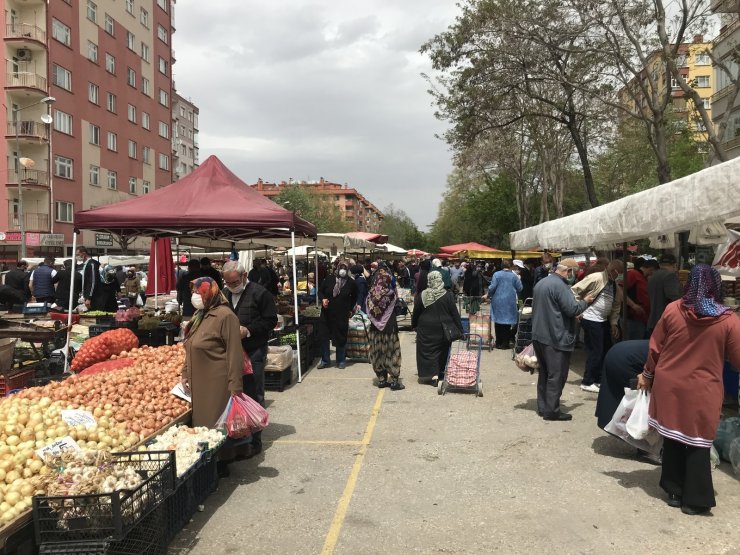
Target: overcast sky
305	89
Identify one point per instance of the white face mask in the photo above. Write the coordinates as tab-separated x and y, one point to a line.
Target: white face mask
342	273
197	301
79	259
236	290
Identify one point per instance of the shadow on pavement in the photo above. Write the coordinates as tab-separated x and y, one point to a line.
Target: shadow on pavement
531	405
646	479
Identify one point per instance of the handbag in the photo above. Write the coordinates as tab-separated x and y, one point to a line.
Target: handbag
451	331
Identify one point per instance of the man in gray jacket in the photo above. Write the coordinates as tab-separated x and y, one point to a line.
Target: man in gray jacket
554	311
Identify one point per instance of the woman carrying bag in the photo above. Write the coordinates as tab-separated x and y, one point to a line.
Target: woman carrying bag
437	323
214	360
385	347
132	287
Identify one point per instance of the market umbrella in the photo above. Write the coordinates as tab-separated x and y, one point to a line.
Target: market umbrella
416	252
161	276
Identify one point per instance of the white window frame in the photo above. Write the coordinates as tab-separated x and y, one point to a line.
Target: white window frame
62	77
702	59
92	11
110	63
146	186
92	51
164	98
132	185
64	211
63	122
700	79
61	32
112	141
110	25
162	34
131	77
144	17
94	175
163	66
112	180
132	113
146	155
130	41
93	93
132	148
145	52
164	130
130	6
63	167
145	120
162	4
93	132
164	161
674	83
146	86
111	103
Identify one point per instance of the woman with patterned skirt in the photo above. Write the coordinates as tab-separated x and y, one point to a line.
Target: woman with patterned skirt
385	347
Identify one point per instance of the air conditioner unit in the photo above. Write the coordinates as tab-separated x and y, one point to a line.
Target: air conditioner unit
24	54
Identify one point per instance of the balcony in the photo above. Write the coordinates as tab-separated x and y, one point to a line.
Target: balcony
726	32
32	221
24	128
25	31
724	6
26	80
31	178
731	144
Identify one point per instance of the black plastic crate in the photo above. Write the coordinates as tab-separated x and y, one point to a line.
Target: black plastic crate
145	538
156	337
278	379
285	336
132	325
97	329
106	516
110	319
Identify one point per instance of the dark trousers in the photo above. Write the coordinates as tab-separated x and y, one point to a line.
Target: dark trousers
597	340
687	472
503	335
254	385
326	353
553	375
636	330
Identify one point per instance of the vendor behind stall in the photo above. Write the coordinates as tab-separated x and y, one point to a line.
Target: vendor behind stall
62	280
105	297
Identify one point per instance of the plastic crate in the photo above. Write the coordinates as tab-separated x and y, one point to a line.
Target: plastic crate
278	379
145	538
62	317
130	325
19	380
156	337
97	329
106	516
43	308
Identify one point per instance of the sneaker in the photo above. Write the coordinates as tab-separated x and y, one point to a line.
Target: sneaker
342	365
593	388
397	386
323	364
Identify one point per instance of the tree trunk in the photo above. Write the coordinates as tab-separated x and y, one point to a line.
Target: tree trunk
588	178
661	148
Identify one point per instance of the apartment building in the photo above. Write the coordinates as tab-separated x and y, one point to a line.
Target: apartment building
185	136
99	73
356	210
695	66
726	47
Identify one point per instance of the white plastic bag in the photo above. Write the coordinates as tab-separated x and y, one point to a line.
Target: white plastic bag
653	441
637	424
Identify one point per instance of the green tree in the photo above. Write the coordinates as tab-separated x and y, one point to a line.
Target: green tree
314	208
400	229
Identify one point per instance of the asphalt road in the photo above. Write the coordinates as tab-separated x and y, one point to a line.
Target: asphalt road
349	469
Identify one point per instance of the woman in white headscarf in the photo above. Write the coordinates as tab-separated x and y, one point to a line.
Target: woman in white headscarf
436	311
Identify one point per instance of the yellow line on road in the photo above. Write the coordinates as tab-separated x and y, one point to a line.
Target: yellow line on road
336	526
317	442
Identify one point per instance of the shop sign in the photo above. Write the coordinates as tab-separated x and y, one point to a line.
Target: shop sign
12	236
52	239
33	239
103	240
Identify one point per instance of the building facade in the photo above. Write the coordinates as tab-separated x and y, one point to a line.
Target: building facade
185	136
356	210
102	71
726	47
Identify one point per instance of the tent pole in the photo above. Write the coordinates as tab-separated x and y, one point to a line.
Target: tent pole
156	285
624	292
295	308
316	270
71	301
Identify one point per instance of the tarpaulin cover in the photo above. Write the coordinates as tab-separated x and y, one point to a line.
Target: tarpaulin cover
452	249
211	202
709	195
376	238
165	274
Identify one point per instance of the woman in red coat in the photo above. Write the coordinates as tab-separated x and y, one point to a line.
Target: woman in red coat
684	371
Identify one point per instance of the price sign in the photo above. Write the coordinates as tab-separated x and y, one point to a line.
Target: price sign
103	240
59	446
78	418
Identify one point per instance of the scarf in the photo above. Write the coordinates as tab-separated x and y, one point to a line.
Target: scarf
703	292
381	300
212	297
434	291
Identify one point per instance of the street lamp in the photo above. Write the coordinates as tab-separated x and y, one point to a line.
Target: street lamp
26	163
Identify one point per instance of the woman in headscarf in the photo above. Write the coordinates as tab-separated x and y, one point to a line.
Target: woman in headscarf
214	360
436	309
688	347
385	347
105	296
422	278
338	295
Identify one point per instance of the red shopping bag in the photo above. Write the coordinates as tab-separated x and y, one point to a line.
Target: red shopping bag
247	369
235	420
256	415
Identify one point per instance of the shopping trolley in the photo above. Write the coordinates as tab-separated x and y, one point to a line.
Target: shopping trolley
477	312
462	371
523	328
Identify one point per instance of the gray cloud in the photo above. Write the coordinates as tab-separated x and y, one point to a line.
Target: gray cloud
309	89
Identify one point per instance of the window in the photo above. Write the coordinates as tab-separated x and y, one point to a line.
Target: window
164	99
130	40
94	134
61	32
95	175
164	130
112	141
132	113
164	162
131	77
62	77
183	149
112	180
92	11
144	52
110	63
145	186
132	185
110	25
131	149
130	6
182	111
63	167
162	34
674	83
707	103
64	211
702	81
92	51
145	120
702	60
63	122
146	155
146	87
681	60
700	126
144	17
93	93
111	102
162	4
162	65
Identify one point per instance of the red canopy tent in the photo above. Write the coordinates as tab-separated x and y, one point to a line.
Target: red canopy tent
376	238
452	249
161	276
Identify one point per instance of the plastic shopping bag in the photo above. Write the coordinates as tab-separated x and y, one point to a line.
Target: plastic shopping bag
652	443
637	424
235	420
527	359
257	417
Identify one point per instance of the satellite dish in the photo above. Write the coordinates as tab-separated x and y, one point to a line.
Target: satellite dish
46	118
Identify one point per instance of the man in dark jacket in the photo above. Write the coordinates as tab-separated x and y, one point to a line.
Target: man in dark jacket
41	282
338	295
90	270
663	289
255	308
209	271
554	311
63	280
183	287
18	279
